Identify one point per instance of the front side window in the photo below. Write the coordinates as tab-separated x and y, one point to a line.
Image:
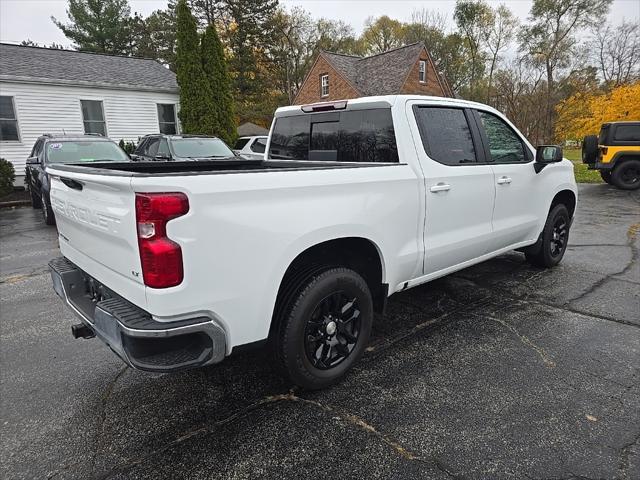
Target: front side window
422	71
84	151
8	120
505	145
93	117
446	136
167	118
324	85
348	136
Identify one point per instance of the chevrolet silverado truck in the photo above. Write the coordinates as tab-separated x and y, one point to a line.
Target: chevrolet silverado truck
176	265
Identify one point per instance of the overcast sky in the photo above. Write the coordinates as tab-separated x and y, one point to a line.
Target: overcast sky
30	19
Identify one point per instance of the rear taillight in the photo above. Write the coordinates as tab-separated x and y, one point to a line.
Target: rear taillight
160	257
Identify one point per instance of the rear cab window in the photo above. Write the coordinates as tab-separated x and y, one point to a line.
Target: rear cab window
337	136
240	143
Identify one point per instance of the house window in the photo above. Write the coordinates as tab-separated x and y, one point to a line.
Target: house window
167	118
422	71
324	85
8	120
93	117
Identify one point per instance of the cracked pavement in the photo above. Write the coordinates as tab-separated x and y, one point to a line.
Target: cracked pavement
498	371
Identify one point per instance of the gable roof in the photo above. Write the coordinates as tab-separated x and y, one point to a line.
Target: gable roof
248	129
47	65
380	74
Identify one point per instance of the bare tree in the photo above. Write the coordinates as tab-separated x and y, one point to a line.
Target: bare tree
498	35
550	39
616	50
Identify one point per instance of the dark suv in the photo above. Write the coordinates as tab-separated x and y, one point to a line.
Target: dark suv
50	149
159	147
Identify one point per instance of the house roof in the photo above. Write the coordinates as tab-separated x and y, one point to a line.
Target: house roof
47	65
380	74
249	129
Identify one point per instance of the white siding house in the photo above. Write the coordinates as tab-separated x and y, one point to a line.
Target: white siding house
61	91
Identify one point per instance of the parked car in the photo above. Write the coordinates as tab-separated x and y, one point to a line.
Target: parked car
385	193
251	147
159	147
58	149
615	153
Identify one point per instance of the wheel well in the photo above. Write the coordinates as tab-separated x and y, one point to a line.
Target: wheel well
567	198
358	254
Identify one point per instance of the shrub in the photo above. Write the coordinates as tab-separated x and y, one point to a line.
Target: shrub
7	176
128	147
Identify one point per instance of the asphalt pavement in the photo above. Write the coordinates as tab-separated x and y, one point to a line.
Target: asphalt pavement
499	371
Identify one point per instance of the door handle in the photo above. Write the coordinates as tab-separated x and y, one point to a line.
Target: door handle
440	187
504	180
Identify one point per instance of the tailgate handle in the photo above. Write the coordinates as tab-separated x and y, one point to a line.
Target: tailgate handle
71	183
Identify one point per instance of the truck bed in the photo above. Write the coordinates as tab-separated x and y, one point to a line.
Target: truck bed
204	167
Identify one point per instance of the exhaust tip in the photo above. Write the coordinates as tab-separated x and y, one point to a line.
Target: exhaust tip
82	331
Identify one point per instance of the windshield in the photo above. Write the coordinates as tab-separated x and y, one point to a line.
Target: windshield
85	151
200	148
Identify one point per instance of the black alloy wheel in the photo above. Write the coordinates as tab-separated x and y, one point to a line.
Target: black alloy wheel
332	330
323	326
627	175
559	237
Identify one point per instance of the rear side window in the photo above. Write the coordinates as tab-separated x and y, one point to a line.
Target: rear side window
627	133
602	138
349	136
259	145
446	135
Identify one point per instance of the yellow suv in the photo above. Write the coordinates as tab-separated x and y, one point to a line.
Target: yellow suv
615	153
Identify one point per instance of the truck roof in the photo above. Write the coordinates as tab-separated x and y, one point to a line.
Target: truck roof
386	101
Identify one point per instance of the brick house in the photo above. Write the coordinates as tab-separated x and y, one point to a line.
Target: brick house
403	70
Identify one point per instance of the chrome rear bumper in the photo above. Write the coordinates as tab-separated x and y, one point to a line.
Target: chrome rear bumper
138	339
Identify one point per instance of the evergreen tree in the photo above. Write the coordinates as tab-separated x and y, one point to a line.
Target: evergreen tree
249	40
196	102
102	26
215	69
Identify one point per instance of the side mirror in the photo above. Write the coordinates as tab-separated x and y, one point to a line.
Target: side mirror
33	161
546	154
162	158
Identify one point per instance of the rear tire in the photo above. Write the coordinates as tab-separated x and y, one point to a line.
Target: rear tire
47	211
324	329
555	237
626	175
590	149
606	176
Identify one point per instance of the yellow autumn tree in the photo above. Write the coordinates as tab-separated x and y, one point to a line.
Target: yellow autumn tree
582	114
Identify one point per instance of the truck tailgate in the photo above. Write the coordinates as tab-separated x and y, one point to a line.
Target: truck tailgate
96	220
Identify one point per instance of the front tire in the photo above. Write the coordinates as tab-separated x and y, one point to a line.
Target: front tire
325	327
626	175
47	211
555	237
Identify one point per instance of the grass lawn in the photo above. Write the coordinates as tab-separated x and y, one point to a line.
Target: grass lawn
580	169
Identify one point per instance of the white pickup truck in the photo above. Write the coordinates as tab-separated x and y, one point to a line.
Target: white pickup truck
176	265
